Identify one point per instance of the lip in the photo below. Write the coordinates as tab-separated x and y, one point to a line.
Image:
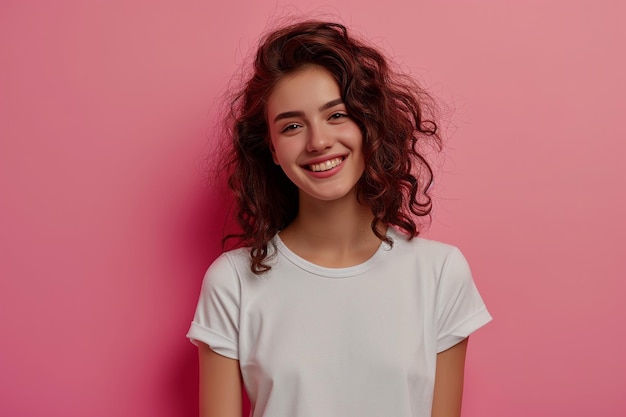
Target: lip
327	173
321	159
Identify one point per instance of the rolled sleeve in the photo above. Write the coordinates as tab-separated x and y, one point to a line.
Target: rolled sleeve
460	308
216	320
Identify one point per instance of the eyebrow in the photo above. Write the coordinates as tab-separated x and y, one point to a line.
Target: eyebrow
289	114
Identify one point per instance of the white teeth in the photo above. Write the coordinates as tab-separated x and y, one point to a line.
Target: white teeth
325	166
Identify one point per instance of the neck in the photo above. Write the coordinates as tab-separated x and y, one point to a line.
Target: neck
332	233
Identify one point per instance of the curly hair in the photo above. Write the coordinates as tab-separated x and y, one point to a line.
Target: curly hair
392	111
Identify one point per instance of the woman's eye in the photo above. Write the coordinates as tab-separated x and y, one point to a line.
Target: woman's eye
337	115
290	127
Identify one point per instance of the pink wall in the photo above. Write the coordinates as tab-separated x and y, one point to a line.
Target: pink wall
106	226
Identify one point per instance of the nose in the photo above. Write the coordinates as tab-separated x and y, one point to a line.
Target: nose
319	139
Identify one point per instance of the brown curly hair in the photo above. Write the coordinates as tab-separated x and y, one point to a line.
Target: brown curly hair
392	111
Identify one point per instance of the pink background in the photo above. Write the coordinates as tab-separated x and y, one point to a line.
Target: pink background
107	224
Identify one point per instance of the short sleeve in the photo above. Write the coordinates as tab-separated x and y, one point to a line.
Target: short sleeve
216	321
460	309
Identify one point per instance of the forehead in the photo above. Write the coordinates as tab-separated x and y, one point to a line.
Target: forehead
303	90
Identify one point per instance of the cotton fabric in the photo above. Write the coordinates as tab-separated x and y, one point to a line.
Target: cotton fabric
358	341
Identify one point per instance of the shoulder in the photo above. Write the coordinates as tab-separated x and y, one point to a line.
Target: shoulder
434	261
232	259
227	269
235	264
424	249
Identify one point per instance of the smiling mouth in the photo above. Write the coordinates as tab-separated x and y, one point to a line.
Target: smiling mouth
326	165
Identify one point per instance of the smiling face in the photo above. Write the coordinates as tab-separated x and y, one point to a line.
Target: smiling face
313	139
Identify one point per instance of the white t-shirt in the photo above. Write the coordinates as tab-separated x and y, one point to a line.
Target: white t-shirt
360	341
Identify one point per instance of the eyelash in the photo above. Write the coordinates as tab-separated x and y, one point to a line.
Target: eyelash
294	126
337	115
290	126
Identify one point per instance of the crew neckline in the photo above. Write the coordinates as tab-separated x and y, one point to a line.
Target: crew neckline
343	272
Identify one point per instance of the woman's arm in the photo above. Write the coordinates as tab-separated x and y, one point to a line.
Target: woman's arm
449	381
220	384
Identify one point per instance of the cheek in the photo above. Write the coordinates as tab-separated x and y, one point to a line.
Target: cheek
276	148
353	132
273	151
284	151
357	145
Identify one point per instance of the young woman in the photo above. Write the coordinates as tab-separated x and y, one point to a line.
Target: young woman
332	306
